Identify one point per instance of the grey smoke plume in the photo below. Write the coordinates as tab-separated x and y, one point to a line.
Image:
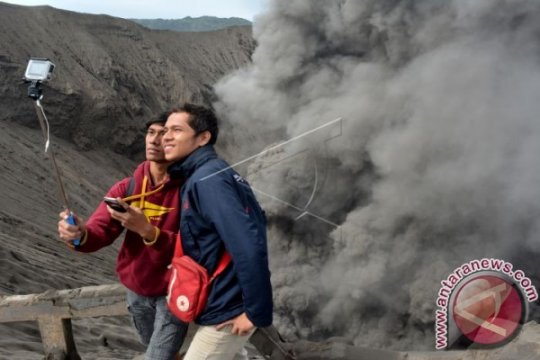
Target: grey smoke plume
434	164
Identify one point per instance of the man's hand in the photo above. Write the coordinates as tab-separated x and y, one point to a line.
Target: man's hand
68	232
241	325
133	219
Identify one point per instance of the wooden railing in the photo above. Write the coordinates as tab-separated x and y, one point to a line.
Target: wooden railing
53	311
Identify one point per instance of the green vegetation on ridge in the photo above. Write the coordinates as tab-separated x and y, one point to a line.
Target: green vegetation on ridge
203	23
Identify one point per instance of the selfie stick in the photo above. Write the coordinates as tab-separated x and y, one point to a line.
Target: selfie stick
35	92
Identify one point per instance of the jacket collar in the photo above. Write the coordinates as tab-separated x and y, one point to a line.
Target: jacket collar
185	168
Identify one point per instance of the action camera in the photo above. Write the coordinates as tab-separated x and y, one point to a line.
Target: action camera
38	69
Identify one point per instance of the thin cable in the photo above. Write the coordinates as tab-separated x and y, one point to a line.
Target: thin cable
46	131
44	124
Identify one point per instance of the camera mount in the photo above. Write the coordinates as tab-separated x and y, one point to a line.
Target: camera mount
37	71
34	90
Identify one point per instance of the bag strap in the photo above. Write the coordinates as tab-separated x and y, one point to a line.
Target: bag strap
223	262
131	187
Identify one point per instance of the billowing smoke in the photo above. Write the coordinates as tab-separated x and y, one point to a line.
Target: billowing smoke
434	163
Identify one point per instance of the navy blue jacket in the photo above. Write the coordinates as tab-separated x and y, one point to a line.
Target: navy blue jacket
220	212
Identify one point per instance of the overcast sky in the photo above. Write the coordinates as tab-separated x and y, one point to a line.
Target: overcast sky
166	9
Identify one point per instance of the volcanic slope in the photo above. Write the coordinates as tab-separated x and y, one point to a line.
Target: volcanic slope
111	76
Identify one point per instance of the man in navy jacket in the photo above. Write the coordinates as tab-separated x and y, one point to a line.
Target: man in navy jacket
219	213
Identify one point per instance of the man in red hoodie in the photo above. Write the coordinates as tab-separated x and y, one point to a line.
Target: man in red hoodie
151	219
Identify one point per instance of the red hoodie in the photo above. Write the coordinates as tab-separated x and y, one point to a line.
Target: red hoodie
141	268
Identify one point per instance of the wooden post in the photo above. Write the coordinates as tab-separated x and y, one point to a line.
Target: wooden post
57	338
53	311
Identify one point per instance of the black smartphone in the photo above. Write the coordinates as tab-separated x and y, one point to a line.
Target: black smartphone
114	204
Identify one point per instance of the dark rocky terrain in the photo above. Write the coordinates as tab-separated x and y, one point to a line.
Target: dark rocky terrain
111	75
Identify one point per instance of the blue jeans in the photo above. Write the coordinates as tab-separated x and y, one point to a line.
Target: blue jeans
160	331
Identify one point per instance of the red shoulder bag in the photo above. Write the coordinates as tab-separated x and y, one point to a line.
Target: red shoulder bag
189	284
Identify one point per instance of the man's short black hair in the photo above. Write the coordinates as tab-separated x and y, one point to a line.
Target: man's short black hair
200	119
160	119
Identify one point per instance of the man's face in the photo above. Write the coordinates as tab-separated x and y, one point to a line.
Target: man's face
154	145
180	139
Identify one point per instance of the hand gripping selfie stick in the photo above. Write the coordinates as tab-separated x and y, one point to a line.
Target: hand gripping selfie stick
40	70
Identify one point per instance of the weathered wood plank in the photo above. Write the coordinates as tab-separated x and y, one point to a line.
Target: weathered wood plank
57	338
91	301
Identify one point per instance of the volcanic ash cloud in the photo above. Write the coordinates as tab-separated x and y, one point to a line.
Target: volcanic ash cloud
434	163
